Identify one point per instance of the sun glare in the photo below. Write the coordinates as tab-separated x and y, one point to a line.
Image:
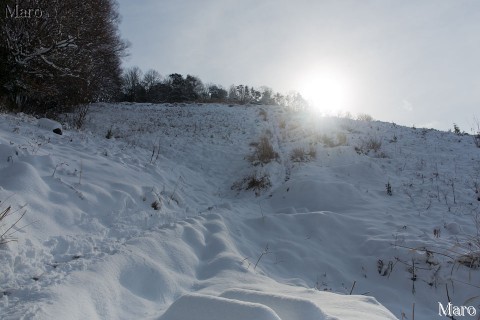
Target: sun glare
327	91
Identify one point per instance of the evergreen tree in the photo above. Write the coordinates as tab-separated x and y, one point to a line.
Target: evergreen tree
177	88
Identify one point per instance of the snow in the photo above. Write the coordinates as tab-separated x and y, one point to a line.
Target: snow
146	225
204	307
50	125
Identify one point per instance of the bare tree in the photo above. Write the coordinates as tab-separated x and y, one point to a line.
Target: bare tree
68	55
132	84
151	78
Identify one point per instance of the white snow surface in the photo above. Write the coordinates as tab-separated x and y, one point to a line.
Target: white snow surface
49	124
324	241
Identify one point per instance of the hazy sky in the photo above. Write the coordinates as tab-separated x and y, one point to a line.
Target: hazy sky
407	61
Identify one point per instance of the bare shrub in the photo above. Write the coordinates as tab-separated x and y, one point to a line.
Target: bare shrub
312	152
476	135
470	260
326	140
253	182
374	144
476	140
79	116
456	129
109	134
301	155
381	154
364	117
341	139
264	152
471	245
258	183
366	145
297	155
156	205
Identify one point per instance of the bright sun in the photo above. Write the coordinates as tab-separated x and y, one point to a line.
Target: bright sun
326	91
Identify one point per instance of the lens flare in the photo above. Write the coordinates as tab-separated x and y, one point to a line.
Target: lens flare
327	91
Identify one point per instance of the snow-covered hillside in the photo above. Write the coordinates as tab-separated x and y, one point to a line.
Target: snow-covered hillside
166	218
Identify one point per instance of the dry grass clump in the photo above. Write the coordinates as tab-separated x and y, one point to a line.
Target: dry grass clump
312	152
476	139
156	205
341	139
470	260
366	145
109	134
297	155
471	246
329	142
253	182
301	155
264	152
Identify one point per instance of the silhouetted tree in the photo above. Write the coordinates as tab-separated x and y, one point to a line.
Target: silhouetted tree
267	96
217	93
160	92
295	101
255	95
232	94
132	86
193	88
177	86
151	79
279	99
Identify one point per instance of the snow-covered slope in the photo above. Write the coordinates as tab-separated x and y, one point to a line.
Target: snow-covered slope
154	223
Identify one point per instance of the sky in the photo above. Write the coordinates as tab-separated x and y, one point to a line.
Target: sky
407	61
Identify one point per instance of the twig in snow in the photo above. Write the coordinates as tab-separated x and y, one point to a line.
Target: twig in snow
448	297
5	237
353	286
265	251
414	276
174	190
59	165
81	171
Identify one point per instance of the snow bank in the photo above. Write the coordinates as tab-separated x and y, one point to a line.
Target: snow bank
287	307
51	125
203	307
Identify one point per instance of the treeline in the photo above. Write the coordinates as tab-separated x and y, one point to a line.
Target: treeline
152	87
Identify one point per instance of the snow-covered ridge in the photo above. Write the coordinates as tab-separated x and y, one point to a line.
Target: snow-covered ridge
147	225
